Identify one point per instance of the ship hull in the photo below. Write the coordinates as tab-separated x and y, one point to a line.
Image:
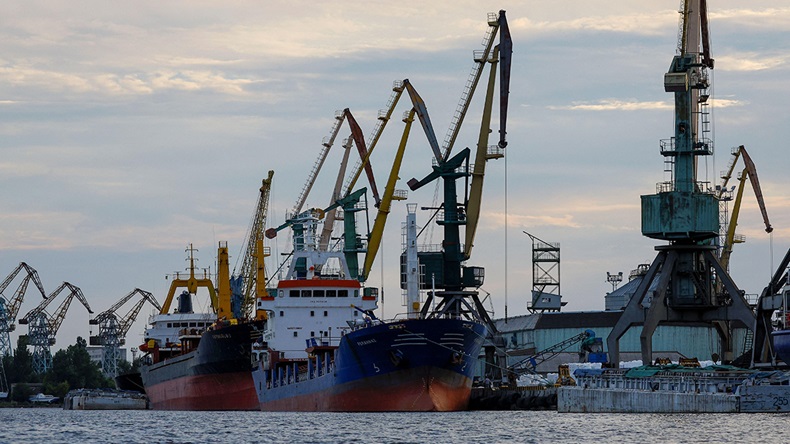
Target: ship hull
215	376
781	339
414	365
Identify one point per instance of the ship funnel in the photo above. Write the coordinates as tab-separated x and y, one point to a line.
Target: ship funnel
185	302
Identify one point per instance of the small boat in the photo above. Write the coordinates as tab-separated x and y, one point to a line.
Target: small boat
41	398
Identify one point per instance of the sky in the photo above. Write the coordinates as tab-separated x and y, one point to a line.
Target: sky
130	130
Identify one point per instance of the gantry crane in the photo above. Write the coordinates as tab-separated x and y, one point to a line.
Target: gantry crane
43	327
249	282
9	307
113	329
686	272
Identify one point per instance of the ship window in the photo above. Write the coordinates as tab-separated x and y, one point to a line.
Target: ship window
356	293
342	293
318	293
331	293
306	293
312	334
294	293
296	333
193	324
282	293
312	313
326	313
326	334
281	313
169	325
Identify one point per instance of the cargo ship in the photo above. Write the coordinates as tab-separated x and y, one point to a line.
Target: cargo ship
200	361
325	349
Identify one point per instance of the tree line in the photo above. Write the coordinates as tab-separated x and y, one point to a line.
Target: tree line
71	368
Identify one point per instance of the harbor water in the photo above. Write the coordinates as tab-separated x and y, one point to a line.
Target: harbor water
46	425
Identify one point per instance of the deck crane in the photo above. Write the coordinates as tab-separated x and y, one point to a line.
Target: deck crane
249	282
113	328
9	307
685	274
749	171
43	327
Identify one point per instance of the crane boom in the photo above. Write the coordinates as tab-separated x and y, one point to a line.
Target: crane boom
471	84
253	271
15	302
54	321
383	119
752	170
326	145
376	234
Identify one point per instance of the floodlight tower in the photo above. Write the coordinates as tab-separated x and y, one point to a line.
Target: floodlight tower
685	213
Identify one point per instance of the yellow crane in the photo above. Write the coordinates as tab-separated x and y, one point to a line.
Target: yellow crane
249	282
749	171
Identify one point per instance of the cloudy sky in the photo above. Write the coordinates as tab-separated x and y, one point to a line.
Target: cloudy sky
129	130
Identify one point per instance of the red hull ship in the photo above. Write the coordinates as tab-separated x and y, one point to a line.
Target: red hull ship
200	361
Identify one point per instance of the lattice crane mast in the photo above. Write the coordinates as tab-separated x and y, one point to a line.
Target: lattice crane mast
249	282
9	307
43	327
113	328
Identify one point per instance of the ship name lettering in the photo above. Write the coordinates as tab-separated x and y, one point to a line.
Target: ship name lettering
367	342
221	336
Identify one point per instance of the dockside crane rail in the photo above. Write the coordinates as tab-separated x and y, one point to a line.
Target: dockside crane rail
113	328
249	282
9	306
43	327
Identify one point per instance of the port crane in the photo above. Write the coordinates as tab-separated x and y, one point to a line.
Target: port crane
749	172
491	54
684	212
43	327
113	328
9	307
249	282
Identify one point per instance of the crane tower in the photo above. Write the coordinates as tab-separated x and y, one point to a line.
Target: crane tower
113	328
685	213
42	327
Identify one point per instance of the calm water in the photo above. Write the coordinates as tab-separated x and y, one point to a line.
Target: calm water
78	427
